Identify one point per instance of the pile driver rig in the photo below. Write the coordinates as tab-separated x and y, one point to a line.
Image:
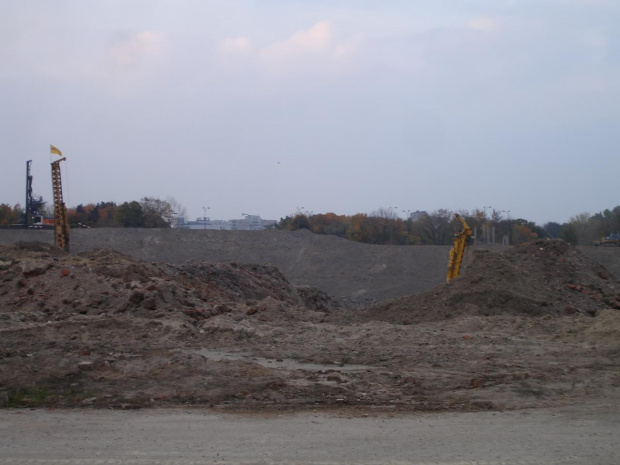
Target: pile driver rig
61	224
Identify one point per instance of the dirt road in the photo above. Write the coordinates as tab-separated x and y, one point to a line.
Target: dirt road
585	435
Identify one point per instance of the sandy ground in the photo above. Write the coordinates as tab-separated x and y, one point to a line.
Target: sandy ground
584	435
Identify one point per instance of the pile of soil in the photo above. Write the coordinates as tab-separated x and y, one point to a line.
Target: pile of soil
545	277
535	326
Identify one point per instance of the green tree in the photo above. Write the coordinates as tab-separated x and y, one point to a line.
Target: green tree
586	227
568	233
38	206
553	229
10	215
130	215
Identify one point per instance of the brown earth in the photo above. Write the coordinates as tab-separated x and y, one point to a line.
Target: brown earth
357	274
536	325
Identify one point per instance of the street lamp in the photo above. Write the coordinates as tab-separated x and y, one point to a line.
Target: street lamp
509	226
204	219
485	227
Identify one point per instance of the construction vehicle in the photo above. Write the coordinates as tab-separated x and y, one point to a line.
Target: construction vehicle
612	240
40	222
461	241
61	225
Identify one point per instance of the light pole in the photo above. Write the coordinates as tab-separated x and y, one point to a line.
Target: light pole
509	226
485	231
408	223
204	219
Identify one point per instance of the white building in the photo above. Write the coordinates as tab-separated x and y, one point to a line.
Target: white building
204	223
249	223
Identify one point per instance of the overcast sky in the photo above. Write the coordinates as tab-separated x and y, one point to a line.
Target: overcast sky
266	106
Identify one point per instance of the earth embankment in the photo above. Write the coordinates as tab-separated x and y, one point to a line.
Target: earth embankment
357	274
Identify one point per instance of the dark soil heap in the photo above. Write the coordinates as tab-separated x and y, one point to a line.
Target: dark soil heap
545	277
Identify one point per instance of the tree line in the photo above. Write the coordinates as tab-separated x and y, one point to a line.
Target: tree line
149	212
384	226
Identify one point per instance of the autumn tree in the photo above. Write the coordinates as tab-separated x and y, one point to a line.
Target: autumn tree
523	231
10	215
157	213
329	223
107	214
359	228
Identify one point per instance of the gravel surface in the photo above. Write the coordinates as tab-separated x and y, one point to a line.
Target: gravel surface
585	435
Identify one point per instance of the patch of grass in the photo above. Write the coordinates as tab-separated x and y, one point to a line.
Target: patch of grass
26	397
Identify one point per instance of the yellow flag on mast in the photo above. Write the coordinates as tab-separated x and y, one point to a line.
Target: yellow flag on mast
55	150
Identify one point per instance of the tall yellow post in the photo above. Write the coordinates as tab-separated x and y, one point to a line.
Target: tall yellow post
61	225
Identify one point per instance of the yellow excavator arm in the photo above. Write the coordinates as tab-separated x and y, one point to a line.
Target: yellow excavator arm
461	240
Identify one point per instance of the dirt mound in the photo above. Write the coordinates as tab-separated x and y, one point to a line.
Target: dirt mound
39	280
545	277
104	329
67	315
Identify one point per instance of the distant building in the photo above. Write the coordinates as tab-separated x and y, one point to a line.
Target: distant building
204	223
416	215
249	223
252	223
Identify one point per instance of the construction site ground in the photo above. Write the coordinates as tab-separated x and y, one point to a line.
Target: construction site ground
291	321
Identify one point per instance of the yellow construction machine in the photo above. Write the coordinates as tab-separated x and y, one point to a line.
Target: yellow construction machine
461	241
612	240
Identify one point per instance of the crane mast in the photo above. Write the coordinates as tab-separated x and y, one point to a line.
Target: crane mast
61	225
